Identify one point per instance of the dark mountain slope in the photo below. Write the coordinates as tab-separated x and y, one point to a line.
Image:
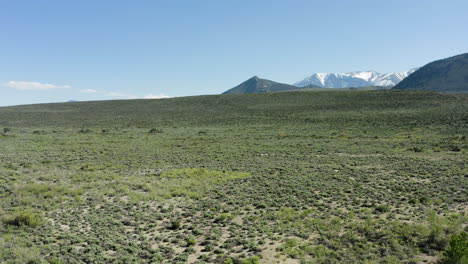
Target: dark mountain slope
447	75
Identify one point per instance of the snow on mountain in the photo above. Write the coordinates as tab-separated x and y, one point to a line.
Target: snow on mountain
354	79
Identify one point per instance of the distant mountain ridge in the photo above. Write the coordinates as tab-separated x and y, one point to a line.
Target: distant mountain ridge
354	79
258	85
446	75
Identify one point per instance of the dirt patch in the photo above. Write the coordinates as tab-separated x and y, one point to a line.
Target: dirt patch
270	255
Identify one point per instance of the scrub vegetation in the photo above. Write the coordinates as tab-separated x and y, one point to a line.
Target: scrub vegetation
293	177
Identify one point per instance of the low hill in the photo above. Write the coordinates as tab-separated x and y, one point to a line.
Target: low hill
289	107
447	75
257	85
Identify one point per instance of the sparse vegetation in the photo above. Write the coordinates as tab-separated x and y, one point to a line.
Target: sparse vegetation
314	177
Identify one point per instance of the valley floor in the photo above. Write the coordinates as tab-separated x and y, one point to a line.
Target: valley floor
371	184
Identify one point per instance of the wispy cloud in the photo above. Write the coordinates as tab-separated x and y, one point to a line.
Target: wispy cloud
121	95
155	96
124	95
88	91
34	86
110	93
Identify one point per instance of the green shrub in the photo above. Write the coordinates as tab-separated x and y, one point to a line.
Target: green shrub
457	252
382	208
154	131
55	261
23	218
454	148
191	242
176	224
252	260
416	149
425	200
222	218
228	261
437	149
437	238
281	135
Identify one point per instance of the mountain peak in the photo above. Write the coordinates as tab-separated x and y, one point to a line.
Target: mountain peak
354	79
258	85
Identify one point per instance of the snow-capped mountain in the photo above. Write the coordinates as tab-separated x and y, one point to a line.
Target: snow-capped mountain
354	79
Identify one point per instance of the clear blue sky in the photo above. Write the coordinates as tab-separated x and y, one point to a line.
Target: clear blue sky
60	50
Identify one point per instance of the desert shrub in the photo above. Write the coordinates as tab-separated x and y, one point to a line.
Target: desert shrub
23	218
292	248
228	261
85	130
437	149
174	225
438	232
209	248
382	208
181	258
416	149
18	252
55	261
454	148
157	258
252	260
222	218
191	242
457	252
154	131
87	167
281	135
437	238
190	250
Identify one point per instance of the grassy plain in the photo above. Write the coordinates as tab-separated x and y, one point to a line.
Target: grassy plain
294	177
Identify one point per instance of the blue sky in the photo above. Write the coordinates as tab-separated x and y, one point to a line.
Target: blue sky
52	51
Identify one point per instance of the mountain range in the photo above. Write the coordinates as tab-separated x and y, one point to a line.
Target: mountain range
258	85
446	75
354	79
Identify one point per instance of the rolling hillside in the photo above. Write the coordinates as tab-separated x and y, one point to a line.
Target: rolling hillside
225	109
